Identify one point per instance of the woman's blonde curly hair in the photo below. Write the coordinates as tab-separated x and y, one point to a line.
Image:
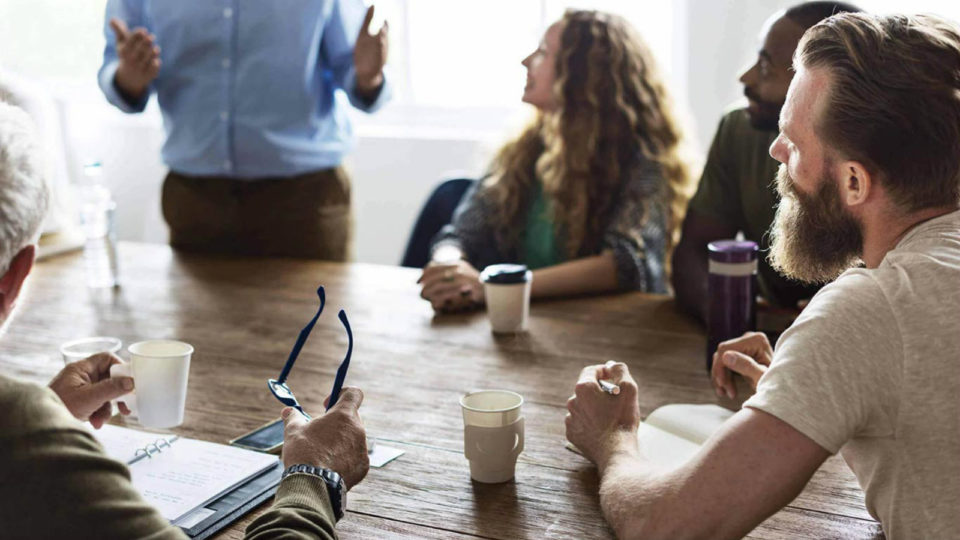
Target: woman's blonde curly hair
612	108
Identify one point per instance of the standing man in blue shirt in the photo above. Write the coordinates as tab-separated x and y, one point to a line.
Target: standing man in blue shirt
255	138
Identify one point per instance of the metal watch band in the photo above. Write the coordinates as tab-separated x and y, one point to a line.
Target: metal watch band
333	481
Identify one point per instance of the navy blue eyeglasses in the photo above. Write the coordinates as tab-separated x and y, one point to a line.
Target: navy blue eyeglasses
279	386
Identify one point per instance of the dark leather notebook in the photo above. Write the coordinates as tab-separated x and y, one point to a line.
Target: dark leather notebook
235	504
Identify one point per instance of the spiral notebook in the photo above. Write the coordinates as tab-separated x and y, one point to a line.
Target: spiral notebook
180	477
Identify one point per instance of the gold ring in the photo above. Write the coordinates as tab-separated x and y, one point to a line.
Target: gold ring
448	275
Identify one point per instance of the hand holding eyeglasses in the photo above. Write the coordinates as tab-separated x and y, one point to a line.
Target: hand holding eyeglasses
335	440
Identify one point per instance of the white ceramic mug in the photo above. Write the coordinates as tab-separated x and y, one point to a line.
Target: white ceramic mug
492	434
506	288
159	369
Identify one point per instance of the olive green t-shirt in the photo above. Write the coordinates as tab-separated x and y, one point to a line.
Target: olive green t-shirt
738	188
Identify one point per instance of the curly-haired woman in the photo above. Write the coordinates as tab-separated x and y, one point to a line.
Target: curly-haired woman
590	195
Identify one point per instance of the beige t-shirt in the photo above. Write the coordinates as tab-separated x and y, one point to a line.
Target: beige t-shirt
872	369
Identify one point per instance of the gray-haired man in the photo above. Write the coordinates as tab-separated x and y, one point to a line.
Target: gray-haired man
55	480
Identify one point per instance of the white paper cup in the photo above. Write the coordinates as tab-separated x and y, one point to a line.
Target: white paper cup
80	349
492	434
159	369
508	304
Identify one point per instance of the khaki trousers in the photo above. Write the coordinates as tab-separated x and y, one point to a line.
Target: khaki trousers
306	216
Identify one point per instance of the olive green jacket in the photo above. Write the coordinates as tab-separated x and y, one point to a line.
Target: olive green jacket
57	482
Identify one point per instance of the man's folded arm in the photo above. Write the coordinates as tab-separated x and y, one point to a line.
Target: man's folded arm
754	466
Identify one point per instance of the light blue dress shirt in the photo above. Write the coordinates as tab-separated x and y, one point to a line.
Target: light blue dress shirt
247	87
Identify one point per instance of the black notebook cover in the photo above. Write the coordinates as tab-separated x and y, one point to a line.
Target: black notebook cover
238	502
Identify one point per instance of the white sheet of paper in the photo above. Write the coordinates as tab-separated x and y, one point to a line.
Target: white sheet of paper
187	474
663	448
192	473
696	423
673	434
122	443
382	455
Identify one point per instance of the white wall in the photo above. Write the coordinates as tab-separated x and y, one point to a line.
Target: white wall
393	175
722	40
129	148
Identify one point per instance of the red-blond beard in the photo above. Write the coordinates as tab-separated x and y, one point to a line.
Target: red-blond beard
813	238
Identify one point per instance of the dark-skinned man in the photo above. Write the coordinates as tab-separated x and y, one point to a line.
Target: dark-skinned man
736	192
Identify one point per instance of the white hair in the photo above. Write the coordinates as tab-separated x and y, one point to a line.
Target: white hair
23	190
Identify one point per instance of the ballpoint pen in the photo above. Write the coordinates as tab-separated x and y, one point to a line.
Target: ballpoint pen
609	387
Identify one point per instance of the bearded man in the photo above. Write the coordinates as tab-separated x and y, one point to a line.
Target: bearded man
870	186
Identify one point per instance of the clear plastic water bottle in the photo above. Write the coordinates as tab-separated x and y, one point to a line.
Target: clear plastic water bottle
96	219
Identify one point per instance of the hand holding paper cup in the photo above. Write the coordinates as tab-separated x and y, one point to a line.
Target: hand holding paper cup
507	291
492	434
159	369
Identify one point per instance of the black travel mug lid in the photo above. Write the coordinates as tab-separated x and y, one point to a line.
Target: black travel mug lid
505	274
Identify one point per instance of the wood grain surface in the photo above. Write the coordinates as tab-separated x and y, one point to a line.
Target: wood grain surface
243	315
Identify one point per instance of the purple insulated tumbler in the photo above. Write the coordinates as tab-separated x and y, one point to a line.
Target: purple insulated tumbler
732	292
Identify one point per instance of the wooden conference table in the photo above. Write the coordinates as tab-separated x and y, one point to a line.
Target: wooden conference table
243	315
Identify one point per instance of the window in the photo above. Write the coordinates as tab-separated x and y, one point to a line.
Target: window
456	63
52	40
944	8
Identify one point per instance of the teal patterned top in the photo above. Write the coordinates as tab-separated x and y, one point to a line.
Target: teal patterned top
541	247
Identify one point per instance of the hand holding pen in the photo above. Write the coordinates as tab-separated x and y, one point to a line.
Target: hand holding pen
609	387
606	385
597	425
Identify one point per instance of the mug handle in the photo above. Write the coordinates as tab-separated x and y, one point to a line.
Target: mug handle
480	441
125	370
519	430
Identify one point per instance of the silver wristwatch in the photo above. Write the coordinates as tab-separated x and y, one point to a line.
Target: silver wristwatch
335	486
